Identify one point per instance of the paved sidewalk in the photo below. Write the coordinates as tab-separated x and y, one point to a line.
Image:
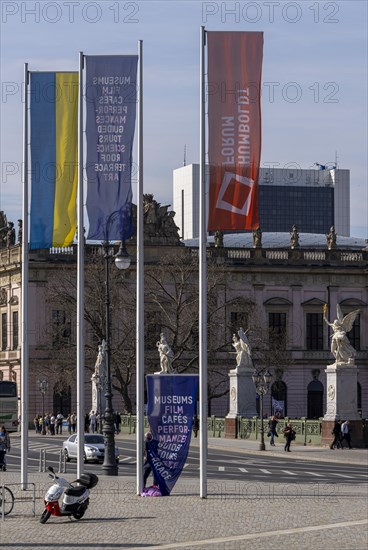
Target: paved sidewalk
235	515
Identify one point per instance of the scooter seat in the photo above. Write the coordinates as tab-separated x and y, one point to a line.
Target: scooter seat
75	491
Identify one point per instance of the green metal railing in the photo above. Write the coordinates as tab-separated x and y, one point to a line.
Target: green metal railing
307	431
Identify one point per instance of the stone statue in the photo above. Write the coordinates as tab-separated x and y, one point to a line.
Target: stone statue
166	355
10	235
294	237
3	229
243	351
219	239
331	238
20	231
98	379
257	238
100	364
341	348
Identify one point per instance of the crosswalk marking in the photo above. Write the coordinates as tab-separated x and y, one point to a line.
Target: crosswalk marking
39	447
314	474
221	468
341	475
290	473
264	471
243	470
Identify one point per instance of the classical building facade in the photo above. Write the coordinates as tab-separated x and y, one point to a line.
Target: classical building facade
278	288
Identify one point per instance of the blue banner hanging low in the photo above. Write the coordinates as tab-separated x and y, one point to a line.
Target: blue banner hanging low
170	410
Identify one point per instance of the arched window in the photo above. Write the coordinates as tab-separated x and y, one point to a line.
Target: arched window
315	399
279	398
62	400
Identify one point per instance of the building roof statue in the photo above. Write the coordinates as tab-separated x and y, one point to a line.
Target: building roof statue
219	239
294	237
158	222
257	238
331	238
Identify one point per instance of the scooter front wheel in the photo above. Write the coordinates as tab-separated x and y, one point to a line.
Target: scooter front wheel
45	515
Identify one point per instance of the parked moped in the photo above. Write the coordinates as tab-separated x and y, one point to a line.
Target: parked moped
75	498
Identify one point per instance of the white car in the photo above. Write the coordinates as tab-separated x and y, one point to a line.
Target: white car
94	448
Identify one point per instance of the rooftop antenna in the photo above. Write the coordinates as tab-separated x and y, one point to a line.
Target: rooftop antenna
185	156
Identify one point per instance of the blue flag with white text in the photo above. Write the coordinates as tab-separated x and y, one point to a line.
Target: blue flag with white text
170	411
111	97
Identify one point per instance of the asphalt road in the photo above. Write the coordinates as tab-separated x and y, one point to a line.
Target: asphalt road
222	464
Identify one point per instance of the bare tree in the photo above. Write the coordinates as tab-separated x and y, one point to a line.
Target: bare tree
62	300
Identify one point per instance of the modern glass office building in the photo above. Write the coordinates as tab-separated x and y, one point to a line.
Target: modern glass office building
311	199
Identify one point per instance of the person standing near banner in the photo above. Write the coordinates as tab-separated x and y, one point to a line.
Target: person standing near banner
147	470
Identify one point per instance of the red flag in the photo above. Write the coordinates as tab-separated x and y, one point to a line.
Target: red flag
234	123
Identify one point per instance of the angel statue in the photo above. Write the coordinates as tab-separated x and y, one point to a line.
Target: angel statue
341	348
242	348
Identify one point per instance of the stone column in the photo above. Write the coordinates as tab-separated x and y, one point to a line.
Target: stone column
242	399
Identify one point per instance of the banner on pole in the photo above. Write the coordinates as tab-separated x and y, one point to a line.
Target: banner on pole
171	406
234	128
54	158
111	96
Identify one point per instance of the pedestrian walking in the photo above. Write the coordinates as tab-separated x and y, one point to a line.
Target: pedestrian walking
69	423
92	420
59	424
195	425
147	470
52	424
289	435
74	423
117	422
336	432
36	424
346	433
4	447
272	431
86	423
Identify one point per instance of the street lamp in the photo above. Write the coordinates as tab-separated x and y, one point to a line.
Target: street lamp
262	383
42	386
122	261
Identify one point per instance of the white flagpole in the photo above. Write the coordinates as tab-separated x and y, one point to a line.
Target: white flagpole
24	292
202	283
80	282
140	281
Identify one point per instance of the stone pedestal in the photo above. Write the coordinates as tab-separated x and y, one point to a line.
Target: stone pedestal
342	402
341	384
242	399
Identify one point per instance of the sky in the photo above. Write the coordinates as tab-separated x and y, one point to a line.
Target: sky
314	80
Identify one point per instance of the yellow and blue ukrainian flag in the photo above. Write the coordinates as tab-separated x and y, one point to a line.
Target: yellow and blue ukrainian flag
54	158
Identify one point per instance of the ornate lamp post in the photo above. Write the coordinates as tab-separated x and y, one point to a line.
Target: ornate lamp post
43	386
100	386
262	383
122	261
